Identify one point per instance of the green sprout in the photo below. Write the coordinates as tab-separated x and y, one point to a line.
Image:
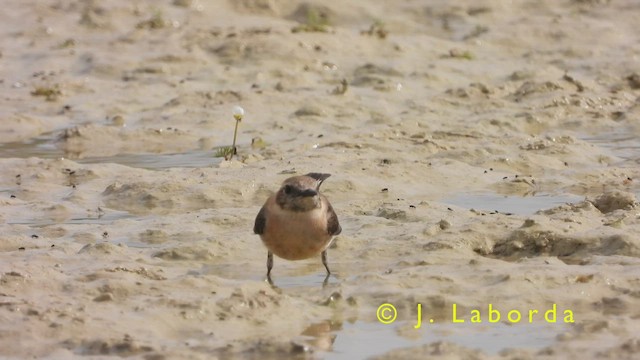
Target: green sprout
378	29
458	54
223	152
69	43
315	22
50	93
156	21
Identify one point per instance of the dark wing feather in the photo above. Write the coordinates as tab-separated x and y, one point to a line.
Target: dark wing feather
333	226
261	221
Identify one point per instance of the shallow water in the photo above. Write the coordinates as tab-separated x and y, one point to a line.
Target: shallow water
44	147
192	159
99	219
362	339
40	146
625	145
297	276
519	205
622	144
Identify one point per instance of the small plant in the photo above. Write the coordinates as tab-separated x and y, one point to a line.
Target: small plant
342	88
50	93
228	151
376	29
458	54
223	152
69	43
316	22
258	143
156	21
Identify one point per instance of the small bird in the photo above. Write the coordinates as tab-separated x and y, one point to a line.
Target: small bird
297	222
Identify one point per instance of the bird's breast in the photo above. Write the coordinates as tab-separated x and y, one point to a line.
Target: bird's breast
296	235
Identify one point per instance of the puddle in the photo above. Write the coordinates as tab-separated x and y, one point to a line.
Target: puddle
624	145
44	147
41	146
362	340
103	219
519	205
338	340
193	159
298	276
288	282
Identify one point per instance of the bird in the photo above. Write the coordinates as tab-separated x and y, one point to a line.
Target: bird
297	222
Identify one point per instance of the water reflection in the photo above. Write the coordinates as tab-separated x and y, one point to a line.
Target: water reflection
321	336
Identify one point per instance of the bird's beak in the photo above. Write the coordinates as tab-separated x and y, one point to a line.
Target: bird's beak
308	193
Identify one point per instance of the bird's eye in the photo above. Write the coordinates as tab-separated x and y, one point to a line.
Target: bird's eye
287	189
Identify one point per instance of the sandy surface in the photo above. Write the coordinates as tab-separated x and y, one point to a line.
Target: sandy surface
434	119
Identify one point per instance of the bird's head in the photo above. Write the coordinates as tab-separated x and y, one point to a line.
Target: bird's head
301	193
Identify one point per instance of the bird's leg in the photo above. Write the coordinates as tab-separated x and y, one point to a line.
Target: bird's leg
269	263
269	267
324	262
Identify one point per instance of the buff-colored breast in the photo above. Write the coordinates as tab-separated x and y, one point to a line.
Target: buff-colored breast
295	235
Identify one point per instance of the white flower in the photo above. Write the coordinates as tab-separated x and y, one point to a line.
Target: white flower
238	112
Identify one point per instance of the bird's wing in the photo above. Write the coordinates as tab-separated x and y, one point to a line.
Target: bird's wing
261	221
333	226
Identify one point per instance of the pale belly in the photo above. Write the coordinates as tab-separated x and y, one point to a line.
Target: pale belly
296	235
